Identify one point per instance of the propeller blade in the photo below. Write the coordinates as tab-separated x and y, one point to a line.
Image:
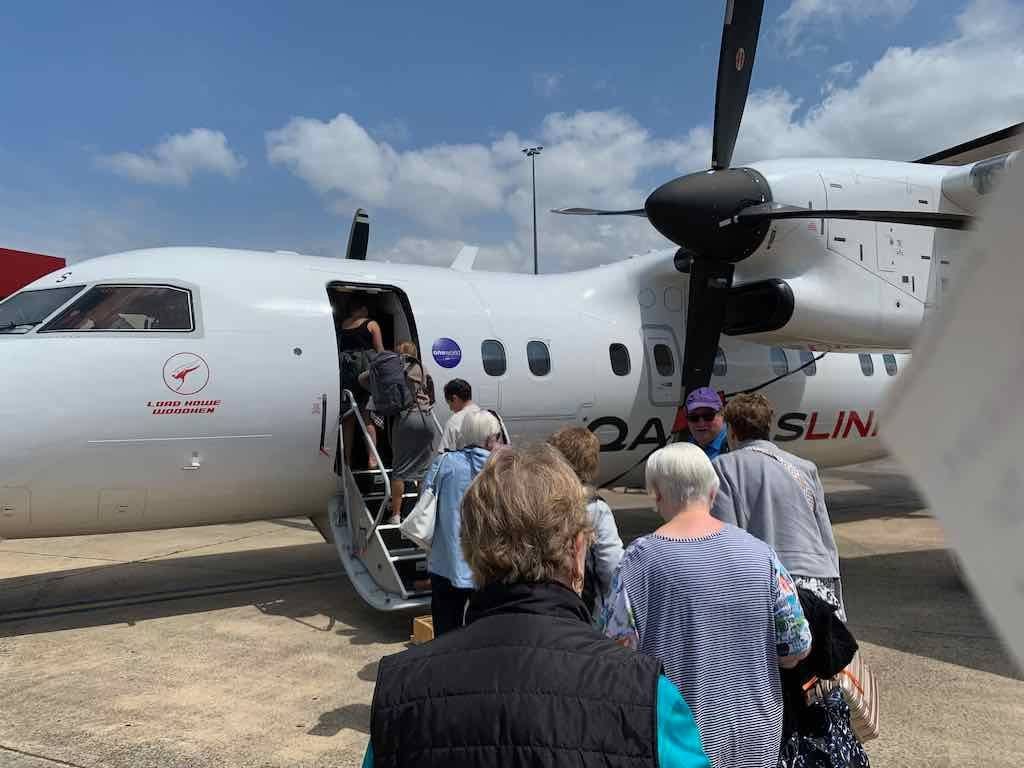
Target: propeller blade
596	212
756	214
710	282
358	236
735	64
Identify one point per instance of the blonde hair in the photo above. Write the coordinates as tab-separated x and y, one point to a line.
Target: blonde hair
521	517
581	449
408	348
476	427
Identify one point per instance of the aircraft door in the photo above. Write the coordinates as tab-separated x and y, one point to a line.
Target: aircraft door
663	363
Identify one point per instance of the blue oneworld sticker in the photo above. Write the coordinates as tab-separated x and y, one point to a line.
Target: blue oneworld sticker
446	352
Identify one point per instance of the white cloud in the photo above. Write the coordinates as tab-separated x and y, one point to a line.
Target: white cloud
803	13
911	102
589	158
340	157
177	158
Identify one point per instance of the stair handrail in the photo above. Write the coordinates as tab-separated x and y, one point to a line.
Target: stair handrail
360	541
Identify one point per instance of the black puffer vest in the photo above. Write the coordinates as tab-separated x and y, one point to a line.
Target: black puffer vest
527	682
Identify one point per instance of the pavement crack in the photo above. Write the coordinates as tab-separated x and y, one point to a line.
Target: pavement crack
53	760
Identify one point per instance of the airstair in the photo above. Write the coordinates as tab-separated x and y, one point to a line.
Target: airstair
388	571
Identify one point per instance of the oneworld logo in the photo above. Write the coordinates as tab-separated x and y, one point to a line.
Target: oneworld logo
446	352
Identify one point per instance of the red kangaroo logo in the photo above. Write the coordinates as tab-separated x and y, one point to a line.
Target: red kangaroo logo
181	374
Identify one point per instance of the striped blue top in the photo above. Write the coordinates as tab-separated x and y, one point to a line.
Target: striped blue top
719	611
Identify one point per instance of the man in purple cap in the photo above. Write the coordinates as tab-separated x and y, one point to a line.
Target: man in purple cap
704	418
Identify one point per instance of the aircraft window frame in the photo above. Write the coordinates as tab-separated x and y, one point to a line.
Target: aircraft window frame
867	364
721	365
484	358
545	360
189	296
72	292
807	358
624	357
779	361
892	367
658	363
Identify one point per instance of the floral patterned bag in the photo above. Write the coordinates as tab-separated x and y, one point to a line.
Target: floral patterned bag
825	738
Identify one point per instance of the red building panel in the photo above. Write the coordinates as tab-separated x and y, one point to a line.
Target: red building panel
19	268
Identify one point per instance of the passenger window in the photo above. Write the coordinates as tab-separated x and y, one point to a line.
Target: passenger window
493	354
663	360
619	355
890	364
779	361
867	365
23	311
149	308
807	358
537	358
721	364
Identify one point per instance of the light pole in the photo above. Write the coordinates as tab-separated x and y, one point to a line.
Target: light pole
532	152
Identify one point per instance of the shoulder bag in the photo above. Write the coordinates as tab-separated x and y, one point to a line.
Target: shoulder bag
856	681
418	526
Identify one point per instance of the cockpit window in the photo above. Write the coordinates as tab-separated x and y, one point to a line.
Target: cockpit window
23	311
147	308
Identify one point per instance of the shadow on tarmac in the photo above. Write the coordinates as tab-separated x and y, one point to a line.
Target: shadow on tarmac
328	605
914	602
354	717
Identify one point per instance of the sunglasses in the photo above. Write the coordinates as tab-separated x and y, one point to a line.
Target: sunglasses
701	416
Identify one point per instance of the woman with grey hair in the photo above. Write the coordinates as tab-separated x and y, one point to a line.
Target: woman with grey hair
451	581
716	607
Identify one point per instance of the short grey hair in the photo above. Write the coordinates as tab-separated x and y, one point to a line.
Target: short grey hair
476	427
681	473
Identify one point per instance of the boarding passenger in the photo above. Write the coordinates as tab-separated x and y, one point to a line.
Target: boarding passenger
704	419
528	681
716	607
451	581
459	396
413	433
582	450
358	338
777	497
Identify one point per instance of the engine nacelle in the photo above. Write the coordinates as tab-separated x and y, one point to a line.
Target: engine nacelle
970	185
820	310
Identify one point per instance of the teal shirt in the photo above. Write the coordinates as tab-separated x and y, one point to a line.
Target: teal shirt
678	740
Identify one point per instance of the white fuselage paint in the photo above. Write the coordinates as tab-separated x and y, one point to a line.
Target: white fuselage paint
94	440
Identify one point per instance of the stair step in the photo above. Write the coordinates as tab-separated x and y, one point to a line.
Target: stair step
418	555
405	551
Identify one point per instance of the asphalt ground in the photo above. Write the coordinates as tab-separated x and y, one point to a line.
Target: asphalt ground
243	645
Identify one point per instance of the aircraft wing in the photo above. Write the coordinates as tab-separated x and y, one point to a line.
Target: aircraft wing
998	143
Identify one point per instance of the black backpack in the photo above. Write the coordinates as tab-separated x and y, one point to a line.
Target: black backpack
388	385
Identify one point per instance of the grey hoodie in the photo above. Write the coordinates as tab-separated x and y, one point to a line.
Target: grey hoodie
759	495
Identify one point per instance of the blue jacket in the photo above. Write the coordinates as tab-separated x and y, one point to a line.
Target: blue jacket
450	476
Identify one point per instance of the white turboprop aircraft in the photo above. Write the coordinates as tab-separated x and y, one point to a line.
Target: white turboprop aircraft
186	386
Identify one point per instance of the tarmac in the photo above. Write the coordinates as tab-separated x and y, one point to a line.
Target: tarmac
244	645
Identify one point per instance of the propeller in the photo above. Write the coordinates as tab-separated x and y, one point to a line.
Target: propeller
358	236
721	216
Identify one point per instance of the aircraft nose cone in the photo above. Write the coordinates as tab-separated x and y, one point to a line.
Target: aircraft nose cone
689	211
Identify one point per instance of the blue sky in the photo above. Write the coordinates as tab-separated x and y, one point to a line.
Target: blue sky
260	125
